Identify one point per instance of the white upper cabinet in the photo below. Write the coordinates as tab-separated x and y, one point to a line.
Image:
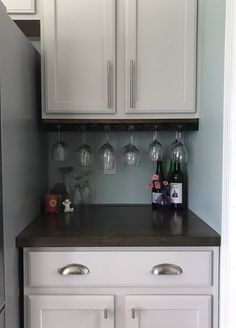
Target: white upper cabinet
79	56
119	59
160	56
20	6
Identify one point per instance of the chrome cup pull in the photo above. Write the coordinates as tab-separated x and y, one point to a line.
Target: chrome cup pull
73	268
166	269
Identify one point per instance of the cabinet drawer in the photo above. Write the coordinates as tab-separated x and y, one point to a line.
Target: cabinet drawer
124	268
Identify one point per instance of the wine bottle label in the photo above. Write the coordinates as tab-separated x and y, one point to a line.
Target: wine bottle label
155	196
176	193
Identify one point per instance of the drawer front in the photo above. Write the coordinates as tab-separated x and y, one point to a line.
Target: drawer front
112	268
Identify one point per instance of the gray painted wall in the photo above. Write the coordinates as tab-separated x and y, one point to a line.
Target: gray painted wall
205	164
24	165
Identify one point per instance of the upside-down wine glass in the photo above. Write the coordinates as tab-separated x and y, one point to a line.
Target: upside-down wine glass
107	155
84	154
179	151
130	155
60	150
155	152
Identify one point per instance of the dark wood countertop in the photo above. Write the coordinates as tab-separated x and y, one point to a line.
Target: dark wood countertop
127	225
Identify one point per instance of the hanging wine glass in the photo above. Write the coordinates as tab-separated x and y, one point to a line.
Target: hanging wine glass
60	150
130	155
83	154
155	152
179	151
107	155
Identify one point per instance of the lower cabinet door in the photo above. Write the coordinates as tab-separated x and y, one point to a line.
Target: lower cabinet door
64	311
170	311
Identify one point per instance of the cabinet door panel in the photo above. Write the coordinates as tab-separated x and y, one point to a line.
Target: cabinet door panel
47	311
161	56
79	56
168	311
20	6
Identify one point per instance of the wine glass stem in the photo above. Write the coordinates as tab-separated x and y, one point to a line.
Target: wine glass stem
84	138
107	138
131	137
59	133
179	136
154	135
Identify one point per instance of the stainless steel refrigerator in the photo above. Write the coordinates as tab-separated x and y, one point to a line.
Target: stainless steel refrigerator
23	163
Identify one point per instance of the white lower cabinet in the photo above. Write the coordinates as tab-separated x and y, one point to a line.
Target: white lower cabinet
62	311
172	311
165	287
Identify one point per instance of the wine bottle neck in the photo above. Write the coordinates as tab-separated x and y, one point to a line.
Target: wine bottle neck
159	167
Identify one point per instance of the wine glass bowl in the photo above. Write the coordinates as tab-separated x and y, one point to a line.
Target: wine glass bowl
60	150
155	152
107	155
130	155
179	153
83	154
178	150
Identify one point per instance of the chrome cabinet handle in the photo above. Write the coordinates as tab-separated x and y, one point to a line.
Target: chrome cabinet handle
166	269
132	313
132	92
106	313
109	84
73	268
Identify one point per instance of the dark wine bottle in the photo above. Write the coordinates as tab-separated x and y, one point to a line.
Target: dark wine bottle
157	188
177	187
170	171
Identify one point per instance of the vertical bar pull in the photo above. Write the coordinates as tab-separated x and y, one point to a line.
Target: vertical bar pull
132	84
109	84
106	313
133	313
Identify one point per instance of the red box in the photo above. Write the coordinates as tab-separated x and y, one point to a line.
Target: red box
51	203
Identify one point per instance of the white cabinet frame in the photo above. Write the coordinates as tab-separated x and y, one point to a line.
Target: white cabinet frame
14	7
50	101
198	304
186	104
101	303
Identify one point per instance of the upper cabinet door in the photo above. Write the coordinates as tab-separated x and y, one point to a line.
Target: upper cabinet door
78	56
160	56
